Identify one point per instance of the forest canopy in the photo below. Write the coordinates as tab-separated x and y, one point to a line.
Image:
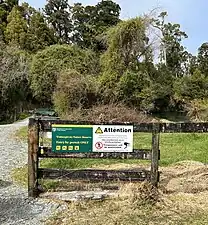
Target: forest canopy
81	57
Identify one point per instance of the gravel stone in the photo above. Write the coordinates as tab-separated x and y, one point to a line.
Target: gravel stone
15	206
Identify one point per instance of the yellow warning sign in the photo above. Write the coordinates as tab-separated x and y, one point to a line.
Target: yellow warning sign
99	131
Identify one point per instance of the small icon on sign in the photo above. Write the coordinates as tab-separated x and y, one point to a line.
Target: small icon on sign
58	148
99	131
70	148
76	148
126	144
99	145
64	148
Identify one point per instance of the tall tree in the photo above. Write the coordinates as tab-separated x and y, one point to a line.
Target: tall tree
6	7
58	15
14	85
172	52
203	58
39	35
91	22
16	29
127	45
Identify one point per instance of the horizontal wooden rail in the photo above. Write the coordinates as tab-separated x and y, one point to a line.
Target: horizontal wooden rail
95	175
143	154
45	125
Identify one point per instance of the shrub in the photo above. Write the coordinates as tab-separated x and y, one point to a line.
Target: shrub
47	64
74	90
198	109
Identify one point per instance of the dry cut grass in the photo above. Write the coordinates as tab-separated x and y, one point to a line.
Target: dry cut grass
181	199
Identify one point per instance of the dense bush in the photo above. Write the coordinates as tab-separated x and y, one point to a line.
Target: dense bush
47	64
14	85
74	90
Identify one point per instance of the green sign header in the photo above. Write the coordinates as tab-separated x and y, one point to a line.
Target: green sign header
71	139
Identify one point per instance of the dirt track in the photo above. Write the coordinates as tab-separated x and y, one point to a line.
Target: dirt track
15	207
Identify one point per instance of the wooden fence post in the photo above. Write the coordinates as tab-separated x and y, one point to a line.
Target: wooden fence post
155	154
33	144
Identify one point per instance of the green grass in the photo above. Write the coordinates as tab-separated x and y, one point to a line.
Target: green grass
22	134
174	147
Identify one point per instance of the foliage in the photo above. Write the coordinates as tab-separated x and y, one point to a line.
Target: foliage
14	87
91	22
97	58
47	64
6	7
58	16
39	35
192	87
198	109
172	52
203	58
127	43
16	29
74	90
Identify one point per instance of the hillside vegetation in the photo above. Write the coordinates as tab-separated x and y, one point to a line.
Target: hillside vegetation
81	59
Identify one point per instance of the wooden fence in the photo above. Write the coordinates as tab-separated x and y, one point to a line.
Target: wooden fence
35	152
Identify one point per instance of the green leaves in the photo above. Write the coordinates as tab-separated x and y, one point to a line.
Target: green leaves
47	64
172	52
16	29
39	35
91	22
58	15
14	85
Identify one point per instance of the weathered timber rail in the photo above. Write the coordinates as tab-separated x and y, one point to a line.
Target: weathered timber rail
37	151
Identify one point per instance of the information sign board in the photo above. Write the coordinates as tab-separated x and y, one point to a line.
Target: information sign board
92	138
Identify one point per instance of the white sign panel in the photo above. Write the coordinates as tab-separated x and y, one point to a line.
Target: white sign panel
112	138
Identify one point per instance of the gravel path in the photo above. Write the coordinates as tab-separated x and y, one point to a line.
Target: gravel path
15	206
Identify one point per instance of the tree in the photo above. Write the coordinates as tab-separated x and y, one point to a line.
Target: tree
127	45
58	15
203	58
192	87
91	22
48	63
39	35
6	7
107	15
82	34
172	52
14	88
16	29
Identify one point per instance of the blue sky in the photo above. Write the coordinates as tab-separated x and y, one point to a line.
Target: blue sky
192	15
